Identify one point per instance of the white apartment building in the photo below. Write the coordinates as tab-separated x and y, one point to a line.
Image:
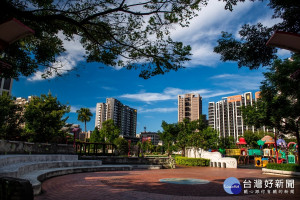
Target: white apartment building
225	116
124	117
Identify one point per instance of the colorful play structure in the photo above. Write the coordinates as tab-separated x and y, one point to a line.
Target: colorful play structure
269	152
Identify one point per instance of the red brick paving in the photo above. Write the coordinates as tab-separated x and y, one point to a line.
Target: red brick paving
144	184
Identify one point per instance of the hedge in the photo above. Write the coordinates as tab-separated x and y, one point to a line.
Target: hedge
191	161
284	167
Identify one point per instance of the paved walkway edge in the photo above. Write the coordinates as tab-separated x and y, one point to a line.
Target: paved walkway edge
280	172
37	188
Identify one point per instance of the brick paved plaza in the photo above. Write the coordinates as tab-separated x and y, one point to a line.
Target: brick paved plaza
145	184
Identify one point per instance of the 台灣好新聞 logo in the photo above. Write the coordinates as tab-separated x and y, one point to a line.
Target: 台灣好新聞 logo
232	186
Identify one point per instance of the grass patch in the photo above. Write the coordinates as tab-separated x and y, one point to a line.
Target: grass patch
192	161
284	167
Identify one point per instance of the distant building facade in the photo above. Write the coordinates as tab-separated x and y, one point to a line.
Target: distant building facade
225	116
124	117
22	102
5	85
189	106
149	136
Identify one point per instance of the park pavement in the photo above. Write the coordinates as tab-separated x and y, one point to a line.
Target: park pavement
145	184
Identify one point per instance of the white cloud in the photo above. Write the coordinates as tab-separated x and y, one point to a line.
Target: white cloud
157	110
108	88
172	94
65	63
282	53
205	29
239	82
268	20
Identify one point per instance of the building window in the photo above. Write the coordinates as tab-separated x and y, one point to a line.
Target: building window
6	85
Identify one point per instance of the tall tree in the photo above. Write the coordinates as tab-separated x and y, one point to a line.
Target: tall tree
186	128
279	104
44	117
10	118
96	136
120	33
110	131
169	135
84	115
251	50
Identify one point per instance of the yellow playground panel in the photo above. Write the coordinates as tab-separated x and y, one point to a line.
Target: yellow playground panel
233	152
260	162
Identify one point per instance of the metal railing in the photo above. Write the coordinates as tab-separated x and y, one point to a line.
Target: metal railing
96	149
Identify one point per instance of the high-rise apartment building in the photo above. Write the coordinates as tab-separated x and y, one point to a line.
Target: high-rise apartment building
124	117
5	85
189	106
225	116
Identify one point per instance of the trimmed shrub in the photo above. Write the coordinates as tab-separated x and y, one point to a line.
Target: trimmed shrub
284	167
191	161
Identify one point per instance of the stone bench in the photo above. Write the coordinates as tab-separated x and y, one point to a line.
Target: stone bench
37	168
36	177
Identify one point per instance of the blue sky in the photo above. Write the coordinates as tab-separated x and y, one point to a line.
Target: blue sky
156	98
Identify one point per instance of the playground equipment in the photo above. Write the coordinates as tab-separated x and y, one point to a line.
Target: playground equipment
260	162
254	152
281	154
268	152
243	157
233	152
291	157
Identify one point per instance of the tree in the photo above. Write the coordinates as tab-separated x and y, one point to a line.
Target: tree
96	136
44	118
252	138
203	136
227	142
169	135
84	115
120	33
186	128
279	102
110	131
248	50
195	140
10	118
122	145
210	138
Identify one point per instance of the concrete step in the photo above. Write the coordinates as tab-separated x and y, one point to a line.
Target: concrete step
36	177
14	159
18	169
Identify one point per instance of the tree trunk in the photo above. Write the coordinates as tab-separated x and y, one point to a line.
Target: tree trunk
183	151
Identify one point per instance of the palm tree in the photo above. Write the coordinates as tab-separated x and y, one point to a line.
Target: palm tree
84	115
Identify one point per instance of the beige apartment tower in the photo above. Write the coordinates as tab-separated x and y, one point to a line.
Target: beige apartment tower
189	106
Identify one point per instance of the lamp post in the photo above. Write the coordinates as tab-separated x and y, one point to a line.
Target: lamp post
75	130
129	144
